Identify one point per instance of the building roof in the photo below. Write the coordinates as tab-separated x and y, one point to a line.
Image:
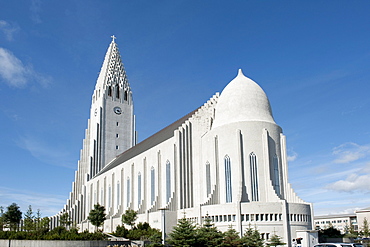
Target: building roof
146	144
363	210
332	216
242	100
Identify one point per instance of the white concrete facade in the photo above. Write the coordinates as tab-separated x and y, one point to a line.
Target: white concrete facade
227	159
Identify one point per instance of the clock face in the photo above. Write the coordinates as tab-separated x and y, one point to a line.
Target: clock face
117	110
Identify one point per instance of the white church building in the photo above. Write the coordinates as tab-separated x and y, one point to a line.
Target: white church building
226	159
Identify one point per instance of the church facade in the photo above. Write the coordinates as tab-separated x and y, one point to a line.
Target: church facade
226	160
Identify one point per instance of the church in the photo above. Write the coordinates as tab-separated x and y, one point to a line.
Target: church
226	159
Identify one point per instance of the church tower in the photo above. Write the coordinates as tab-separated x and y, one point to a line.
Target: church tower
112	123
111	126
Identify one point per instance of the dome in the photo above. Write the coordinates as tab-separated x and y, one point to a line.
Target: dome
242	100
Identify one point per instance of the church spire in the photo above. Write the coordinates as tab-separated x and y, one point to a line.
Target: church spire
112	80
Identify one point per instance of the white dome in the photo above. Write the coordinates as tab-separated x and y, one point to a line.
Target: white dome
242	100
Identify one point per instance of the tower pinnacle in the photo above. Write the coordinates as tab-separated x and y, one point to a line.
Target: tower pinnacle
113	38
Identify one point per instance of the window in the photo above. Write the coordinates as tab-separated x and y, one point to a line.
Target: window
208	178
228	179
118	195
109	91
109	196
152	184
117	91
139	189
117	147
125	96
254	176
117	135
128	191
168	181
276	175
101	197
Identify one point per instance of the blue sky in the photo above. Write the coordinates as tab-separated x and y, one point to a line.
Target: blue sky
312	58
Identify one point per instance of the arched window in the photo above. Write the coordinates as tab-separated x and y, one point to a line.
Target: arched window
139	189
125	96
109	196
168	181
208	178
110	91
118	194
276	175
254	176
152	185
128	191
117	91
229	197
101	196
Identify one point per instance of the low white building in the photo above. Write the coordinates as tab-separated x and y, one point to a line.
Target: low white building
342	222
226	159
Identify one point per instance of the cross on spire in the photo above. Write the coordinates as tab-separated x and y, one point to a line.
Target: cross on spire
113	37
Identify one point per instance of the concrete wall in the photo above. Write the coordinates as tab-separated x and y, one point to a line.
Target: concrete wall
59	243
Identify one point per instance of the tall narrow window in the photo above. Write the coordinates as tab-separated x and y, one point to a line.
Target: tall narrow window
109	91
254	176
228	179
208	178
152	185
168	181
125	95
117	91
109	196
139	189
128	191
101	197
118	195
276	175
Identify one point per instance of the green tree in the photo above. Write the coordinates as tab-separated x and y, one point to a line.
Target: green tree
29	220
13	216
208	234
37	219
97	216
143	231
275	240
121	231
44	224
350	231
252	237
183	234
129	217
1	218
65	220
330	232
231	238
365	228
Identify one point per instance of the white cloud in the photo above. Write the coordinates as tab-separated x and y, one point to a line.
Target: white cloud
352	183
8	29
49	154
48	204
35	11
15	73
349	152
292	156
